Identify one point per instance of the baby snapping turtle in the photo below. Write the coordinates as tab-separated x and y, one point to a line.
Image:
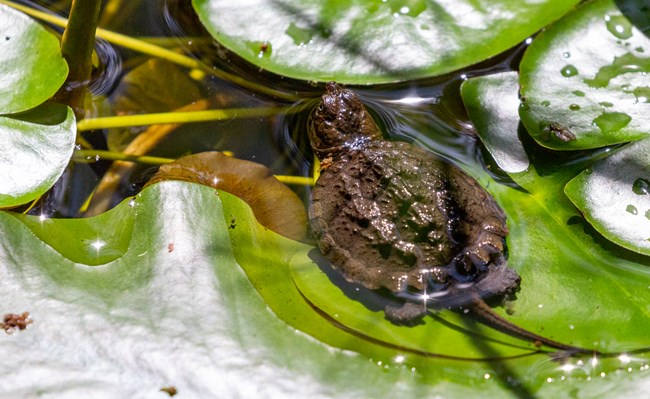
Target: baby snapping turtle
391	216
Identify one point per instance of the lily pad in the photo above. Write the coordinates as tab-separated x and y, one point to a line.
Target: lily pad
91	241
178	299
574	252
372	41
584	80
610	193
559	264
30	60
36	147
175	300
490	101
506	139
614	195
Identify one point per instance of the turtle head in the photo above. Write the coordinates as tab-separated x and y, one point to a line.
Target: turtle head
339	122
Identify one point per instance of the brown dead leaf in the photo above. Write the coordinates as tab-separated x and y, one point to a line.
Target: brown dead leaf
275	205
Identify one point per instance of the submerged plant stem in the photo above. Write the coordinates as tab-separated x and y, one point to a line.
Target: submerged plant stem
140	146
296	180
177	117
157	51
96	155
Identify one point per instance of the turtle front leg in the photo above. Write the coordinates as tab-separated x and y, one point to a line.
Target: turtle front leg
410	313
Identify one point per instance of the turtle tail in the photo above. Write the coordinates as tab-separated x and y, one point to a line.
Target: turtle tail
486	315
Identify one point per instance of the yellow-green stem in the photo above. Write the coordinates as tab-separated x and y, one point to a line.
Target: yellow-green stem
296	180
177	117
96	155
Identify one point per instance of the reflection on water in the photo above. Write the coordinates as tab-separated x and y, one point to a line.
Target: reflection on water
108	71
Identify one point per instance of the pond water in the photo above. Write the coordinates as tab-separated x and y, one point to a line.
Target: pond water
429	112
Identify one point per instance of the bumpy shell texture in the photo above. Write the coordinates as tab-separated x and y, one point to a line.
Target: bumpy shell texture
391	215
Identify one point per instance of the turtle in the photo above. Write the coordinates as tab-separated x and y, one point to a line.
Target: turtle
393	217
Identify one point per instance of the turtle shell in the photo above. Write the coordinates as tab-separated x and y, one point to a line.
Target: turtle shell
391	215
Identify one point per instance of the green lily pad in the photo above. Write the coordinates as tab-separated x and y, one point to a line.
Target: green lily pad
614	195
506	139
36	147
498	125
177	299
91	241
584	79
192	291
611	193
30	60
559	264
372	41
490	101
579	258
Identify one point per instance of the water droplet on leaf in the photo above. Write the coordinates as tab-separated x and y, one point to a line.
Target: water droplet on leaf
569	70
574	107
641	186
631	209
411	8
619	26
610	122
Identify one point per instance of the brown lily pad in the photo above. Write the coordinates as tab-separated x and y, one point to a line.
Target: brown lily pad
275	206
